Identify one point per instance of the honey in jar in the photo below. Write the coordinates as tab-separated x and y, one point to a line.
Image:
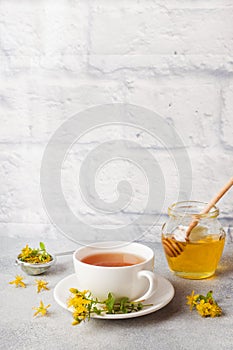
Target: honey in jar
201	253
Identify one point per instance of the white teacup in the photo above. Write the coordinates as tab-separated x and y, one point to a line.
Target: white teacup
137	281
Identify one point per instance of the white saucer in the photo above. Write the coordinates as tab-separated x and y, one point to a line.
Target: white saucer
162	296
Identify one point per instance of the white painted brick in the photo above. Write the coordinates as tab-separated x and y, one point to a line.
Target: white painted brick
148	30
52	105
212	168
42	28
160	39
20	191
131	170
15	121
26	230
192	107
151	66
227	117
166	4
35	109
43	66
43	39
174	57
200	4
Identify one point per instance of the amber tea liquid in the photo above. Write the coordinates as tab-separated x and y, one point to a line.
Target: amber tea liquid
199	258
112	259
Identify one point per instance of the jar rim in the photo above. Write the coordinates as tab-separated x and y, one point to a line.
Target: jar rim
192	208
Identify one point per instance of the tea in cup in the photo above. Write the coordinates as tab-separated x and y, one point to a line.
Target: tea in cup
125	269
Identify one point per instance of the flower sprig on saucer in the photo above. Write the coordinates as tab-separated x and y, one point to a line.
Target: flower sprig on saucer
206	306
84	305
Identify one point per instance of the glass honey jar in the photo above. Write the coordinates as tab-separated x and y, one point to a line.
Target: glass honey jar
196	256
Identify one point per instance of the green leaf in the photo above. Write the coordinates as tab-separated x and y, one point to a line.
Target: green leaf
110	303
123	304
209	294
42	246
139	306
97	311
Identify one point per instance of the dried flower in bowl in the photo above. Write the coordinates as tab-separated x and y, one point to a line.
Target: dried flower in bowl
35	256
35	261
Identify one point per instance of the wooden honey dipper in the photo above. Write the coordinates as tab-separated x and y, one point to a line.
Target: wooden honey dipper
172	247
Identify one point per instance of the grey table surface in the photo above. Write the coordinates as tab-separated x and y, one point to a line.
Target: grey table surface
172	327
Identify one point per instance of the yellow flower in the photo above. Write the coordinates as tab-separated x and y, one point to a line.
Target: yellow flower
76	301
206	309
35	256
192	300
203	308
41	284
215	310
79	292
26	251
74	323
81	305
206	306
18	281
79	317
41	309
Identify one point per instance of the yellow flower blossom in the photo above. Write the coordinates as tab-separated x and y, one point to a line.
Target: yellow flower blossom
206	309
215	310
41	309
18	281
76	301
81	305
203	308
78	317
26	251
192	300
206	306
41	284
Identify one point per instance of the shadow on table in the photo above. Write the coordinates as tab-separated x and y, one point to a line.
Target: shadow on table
60	268
225	267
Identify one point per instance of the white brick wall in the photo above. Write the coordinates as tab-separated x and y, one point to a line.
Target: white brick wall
59	58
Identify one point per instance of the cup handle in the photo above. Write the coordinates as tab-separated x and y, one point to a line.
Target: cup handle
153	284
